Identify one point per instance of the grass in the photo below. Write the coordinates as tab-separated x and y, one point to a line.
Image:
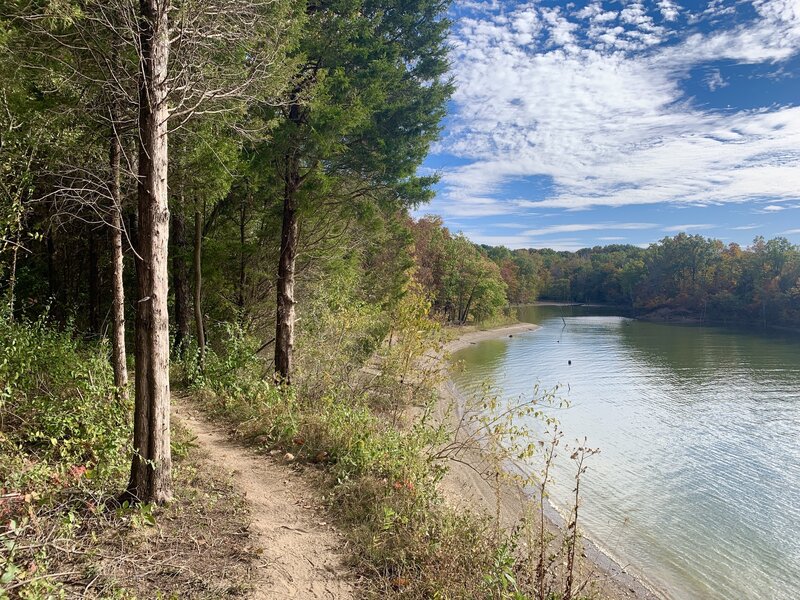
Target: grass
64	442
350	418
361	412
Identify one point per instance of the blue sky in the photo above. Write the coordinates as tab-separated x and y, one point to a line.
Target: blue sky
589	123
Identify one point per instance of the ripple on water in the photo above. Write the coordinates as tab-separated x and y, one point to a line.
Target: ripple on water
698	479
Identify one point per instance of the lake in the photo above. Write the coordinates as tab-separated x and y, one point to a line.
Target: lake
697	484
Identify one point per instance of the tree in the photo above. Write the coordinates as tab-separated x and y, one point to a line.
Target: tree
364	105
152	461
80	58
225	54
226	51
203	165
459	277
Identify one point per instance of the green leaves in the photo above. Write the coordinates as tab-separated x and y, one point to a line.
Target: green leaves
59	408
463	282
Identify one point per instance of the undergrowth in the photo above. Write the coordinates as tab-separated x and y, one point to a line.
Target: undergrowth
365	416
363	409
64	458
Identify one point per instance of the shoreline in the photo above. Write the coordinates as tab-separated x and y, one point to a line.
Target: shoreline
669	316
464	486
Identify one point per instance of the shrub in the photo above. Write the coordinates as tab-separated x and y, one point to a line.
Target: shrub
58	408
64	438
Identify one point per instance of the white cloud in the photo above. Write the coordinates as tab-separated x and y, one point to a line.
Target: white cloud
524	241
746	227
669	10
715	81
576	227
604	119
791	232
510	225
689	227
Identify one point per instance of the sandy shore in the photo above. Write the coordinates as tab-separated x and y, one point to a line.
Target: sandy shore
466	487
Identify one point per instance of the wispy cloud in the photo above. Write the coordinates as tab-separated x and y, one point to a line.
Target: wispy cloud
524	241
715	80
593	100
688	227
790	232
746	227
510	225
576	227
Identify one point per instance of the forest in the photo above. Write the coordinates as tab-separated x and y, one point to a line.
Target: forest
205	206
214	198
685	277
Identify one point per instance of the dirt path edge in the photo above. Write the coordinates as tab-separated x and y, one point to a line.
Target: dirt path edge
303	557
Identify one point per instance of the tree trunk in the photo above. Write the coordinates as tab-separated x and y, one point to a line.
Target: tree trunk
180	282
285	318
198	286
465	314
54	286
151	479
118	356
12	279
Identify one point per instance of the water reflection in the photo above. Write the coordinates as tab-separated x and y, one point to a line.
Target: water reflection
698	481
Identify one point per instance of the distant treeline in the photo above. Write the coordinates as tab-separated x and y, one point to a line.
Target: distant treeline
685	276
703	278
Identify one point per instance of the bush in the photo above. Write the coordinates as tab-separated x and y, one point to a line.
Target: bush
230	365
64	439
362	407
59	409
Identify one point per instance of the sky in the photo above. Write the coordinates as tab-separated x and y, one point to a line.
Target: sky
576	124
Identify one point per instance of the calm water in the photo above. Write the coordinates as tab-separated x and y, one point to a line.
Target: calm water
698	481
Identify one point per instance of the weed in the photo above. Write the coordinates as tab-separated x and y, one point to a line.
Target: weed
364	412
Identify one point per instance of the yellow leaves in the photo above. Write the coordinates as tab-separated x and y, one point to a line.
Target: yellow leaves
400	582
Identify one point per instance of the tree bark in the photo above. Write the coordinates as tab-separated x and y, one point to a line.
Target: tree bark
198	287
54	285
151	479
180	282
118	356
465	314
12	279
285	317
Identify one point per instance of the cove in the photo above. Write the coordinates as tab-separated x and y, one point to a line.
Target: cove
697	485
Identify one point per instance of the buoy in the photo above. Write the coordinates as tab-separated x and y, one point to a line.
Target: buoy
569	362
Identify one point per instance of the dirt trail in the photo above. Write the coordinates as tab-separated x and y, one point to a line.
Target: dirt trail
302	556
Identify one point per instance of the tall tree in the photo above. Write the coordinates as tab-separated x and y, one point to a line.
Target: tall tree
225	56
226	52
364	105
120	359
151	468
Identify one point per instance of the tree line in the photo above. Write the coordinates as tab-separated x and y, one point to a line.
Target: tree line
183	164
684	276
